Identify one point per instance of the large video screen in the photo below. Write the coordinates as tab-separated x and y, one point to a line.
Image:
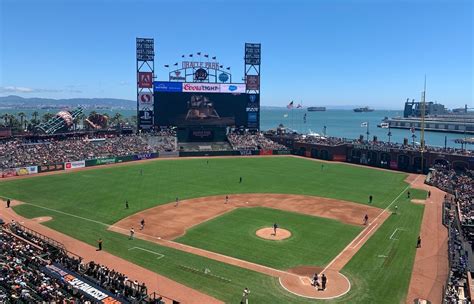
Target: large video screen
206	109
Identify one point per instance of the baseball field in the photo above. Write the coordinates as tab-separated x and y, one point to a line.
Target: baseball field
321	204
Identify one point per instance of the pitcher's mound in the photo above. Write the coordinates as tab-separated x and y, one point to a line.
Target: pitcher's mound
267	233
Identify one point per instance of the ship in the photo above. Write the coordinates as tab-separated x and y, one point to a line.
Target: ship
363	109
316	109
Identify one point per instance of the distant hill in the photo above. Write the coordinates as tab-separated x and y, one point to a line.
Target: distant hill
17	102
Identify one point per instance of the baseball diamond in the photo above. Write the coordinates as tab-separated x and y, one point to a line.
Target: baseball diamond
210	234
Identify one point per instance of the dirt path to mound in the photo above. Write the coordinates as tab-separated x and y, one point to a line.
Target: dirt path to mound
195	211
155	282
430	270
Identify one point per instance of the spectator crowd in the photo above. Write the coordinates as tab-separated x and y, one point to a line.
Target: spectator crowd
23	279
248	141
459	218
19	153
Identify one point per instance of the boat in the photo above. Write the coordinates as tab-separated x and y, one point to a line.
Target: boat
363	109
316	109
383	125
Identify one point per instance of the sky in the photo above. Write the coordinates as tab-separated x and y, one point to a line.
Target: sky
336	52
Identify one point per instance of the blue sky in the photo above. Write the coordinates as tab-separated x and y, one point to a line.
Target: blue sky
336	52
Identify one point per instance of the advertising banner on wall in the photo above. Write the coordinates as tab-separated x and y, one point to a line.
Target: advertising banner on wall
145	80
145	156
75	164
253	82
145	101
19	171
50	168
165	86
89	289
202	87
232	88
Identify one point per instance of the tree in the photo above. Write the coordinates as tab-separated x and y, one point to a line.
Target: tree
47	116
35	117
22	116
5	119
117	118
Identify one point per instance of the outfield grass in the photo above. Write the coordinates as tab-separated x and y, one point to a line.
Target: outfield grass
315	241
100	194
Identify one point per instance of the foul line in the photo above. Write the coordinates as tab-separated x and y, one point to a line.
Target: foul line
361	233
160	255
393	234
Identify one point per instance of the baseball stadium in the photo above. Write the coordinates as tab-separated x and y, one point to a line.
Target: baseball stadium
196	204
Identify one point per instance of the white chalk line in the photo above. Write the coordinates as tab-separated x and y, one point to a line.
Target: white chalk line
367	234
394	232
160	255
360	234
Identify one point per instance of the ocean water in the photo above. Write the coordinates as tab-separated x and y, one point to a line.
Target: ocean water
339	123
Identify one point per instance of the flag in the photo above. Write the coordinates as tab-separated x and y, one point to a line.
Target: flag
199	53
299	106
176	63
190	55
182	56
167	66
290	105
228	68
207	56
221	66
214	57
364	124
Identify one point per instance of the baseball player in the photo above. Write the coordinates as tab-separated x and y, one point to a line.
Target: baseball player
132	233
177	202
226	199
275	227
245	296
142	224
366	219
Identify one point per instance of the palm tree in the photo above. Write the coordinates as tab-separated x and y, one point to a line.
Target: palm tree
35	117
5	119
117	118
22	118
47	116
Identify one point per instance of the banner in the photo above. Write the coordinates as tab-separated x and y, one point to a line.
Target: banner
393	164
26	170
266	152
100	161
89	289
145	156
145	80
50	168
253	82
122	159
75	164
232	88
202	87
164	86
164	154
145	101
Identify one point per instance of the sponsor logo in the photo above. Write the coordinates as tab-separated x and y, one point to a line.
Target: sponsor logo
163	86
146	115
210	88
251	109
104	161
145	101
145	79
245	152
253	98
75	165
177	76
253	82
232	88
223	77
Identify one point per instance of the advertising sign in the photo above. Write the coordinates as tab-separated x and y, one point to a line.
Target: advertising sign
177	76
200	64
163	86
146	117
201	87
200	74
50	168
75	164
89	289
145	80
105	161
252	53
233	88
145	101
145	156
393	164
253	82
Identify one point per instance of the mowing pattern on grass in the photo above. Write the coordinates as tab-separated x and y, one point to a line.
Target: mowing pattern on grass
314	241
100	195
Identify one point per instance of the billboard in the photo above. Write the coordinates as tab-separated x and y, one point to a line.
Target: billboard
75	164
253	82
202	87
145	49
252	53
165	86
232	88
145	80
145	101
203	108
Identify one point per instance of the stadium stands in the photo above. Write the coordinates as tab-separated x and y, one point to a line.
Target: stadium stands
247	141
459	218
28	263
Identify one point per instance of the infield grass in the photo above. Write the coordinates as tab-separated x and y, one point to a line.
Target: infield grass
315	241
99	195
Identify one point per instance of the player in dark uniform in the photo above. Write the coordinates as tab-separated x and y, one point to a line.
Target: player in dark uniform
370	199
8	203
142	224
324	281
366	219
275	227
240	180
99	244
126	204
